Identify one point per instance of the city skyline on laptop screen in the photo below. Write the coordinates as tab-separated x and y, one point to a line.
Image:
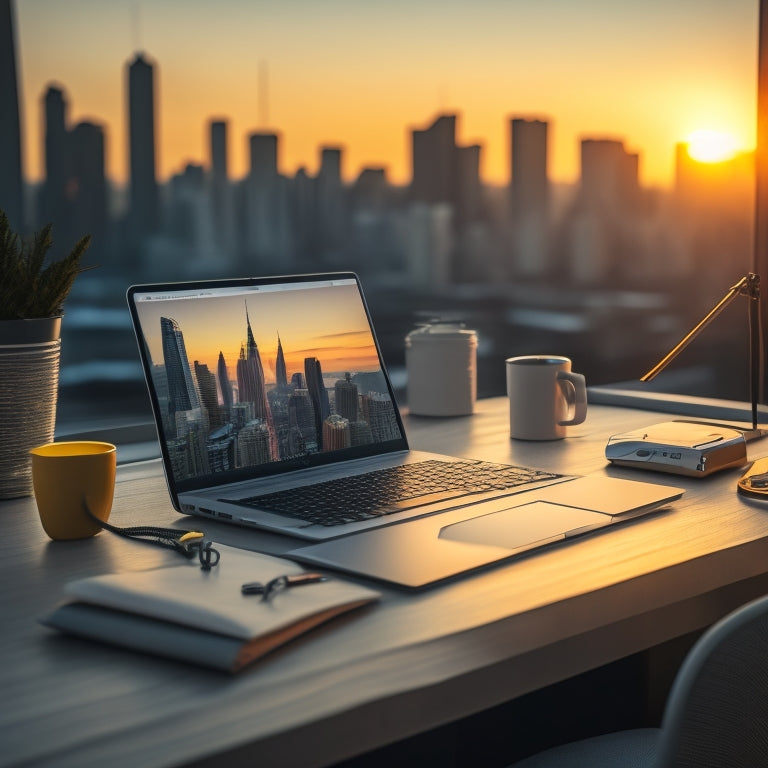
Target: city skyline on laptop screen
264	376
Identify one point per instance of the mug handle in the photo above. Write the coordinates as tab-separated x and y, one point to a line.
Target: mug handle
574	388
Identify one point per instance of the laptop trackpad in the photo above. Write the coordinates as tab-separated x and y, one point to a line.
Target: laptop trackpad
523	525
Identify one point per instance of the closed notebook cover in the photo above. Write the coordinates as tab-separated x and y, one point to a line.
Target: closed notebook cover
201	616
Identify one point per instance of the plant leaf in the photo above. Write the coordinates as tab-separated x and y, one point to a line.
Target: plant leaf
29	287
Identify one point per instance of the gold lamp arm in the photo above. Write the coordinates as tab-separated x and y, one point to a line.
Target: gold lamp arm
749	286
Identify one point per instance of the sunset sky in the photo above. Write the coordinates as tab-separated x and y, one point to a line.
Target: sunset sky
327	323
364	74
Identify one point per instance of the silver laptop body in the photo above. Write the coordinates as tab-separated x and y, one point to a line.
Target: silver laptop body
262	386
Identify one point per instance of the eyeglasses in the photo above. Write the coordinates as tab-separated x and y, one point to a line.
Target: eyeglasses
279	583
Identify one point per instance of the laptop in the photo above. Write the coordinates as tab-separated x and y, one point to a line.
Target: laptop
274	410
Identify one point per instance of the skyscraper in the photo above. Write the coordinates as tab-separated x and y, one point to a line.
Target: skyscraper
253	444
330	207
379	412
336	434
529	179
445	190
609	175
52	204
529	196
222	204
281	374
469	189
11	191
87	186
302	433
266	203
251	384
225	385
434	161
263	156
182	393
144	211
346	398
219	162
318	394
206	384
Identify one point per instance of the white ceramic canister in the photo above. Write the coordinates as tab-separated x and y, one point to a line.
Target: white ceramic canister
441	361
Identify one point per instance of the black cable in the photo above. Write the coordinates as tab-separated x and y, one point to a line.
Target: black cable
187	543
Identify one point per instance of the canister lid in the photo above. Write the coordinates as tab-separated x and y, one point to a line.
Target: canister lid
440	331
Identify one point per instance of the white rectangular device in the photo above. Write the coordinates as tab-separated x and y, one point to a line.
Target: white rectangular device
681	447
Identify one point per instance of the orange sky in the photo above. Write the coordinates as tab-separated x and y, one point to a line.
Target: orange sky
363	75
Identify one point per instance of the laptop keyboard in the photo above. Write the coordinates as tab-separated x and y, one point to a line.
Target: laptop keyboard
385	491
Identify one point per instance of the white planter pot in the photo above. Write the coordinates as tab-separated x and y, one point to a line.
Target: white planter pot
30	351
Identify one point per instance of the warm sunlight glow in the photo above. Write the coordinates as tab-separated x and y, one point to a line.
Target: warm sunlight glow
711	146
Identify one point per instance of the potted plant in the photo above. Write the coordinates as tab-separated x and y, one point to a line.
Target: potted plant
33	288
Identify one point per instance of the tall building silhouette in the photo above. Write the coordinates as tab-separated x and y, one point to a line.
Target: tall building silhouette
182	393
371	189
263	155
52	201
143	199
446	173
609	175
433	152
206	385
529	196
336	433
266	205
11	184
253	445
529	177
379	412
446	196
469	187
219	155
318	394
251	384
330	207
281	375
87	187
302	433
602	242
225	385
222	202
303	220
346	398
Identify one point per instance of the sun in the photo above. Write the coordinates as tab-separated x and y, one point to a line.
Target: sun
708	146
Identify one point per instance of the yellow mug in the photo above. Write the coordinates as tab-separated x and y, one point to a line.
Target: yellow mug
67	477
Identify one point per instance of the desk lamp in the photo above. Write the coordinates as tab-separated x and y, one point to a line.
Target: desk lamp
748	286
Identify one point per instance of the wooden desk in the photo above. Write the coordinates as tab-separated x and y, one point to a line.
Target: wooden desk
411	663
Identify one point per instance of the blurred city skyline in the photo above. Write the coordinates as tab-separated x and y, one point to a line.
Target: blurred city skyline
547	194
364	77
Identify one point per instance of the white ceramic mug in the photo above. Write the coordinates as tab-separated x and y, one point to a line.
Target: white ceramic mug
544	397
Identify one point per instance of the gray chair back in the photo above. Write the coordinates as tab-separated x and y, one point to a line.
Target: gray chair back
717	711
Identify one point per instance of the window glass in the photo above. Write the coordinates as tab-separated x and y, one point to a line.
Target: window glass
564	178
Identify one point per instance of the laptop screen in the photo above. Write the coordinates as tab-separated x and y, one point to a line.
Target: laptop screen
258	376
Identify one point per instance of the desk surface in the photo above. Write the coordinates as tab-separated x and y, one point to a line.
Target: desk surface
413	662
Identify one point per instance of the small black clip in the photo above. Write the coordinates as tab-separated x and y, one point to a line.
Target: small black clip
206	553
279	583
